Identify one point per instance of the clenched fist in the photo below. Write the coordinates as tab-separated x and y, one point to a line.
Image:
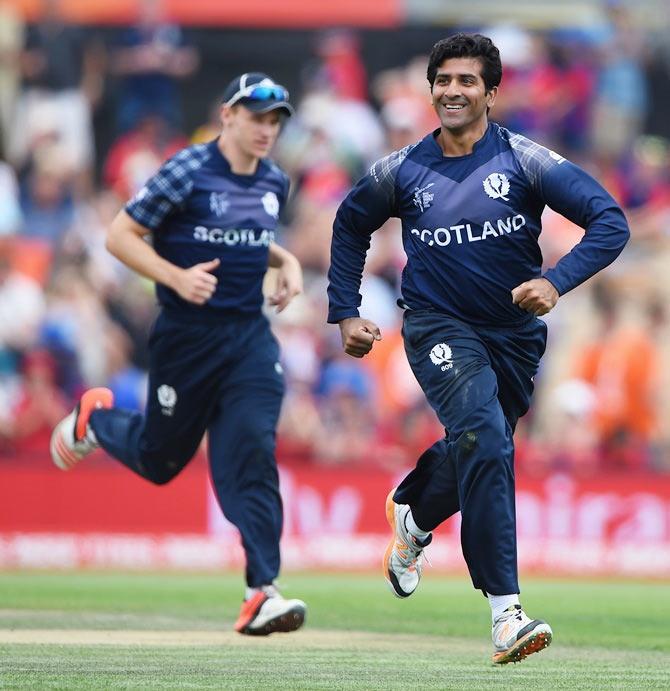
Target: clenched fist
537	296
358	336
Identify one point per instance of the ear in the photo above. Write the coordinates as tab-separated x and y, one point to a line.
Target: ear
491	97
225	112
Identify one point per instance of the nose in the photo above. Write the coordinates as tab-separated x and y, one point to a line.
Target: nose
452	89
268	129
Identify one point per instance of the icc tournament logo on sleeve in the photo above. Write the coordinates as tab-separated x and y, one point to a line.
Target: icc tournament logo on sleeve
496	186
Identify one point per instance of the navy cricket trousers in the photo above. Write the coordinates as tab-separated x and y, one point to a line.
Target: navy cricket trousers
222	377
479	382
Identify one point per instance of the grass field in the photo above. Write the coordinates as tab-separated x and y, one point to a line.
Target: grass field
159	631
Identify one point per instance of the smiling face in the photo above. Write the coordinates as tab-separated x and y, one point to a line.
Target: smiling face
460	97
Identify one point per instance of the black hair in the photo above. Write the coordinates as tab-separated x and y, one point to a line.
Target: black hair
467	46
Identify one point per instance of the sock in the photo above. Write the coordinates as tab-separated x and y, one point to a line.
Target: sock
413	529
499	603
269	589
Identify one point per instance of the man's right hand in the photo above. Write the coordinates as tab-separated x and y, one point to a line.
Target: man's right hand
358	336
196	284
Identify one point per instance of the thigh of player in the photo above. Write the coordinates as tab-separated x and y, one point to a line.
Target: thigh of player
453	367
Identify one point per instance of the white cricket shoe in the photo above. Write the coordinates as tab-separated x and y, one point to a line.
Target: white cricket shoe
268	612
403	560
72	438
515	636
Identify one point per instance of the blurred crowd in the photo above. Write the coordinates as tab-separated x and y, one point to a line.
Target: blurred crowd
71	316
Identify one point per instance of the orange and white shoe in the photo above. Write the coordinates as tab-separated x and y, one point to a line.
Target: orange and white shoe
516	636
403	560
268	612
73	438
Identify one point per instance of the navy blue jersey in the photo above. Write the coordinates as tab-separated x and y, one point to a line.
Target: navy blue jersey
470	226
198	210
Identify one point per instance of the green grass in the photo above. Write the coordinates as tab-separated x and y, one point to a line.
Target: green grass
607	634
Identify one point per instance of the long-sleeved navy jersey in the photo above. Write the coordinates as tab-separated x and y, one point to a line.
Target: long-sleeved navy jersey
199	210
470	226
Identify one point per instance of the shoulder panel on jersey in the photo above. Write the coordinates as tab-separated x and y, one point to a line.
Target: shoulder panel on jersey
385	170
534	159
168	189
175	178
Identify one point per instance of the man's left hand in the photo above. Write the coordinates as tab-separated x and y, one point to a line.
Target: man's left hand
537	296
288	285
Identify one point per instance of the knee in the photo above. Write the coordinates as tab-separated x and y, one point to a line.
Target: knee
492	440
161	473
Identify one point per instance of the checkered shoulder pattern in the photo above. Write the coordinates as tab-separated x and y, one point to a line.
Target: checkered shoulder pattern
534	159
168	189
384	170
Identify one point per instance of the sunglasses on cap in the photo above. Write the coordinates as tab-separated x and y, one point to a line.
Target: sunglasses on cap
260	92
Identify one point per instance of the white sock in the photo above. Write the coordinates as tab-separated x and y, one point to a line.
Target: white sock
414	529
499	603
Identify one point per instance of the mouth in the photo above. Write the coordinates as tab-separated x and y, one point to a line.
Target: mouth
453	107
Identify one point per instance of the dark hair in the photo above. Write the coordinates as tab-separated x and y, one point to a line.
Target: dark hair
467	46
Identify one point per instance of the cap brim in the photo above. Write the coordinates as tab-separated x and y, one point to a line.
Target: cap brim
267	106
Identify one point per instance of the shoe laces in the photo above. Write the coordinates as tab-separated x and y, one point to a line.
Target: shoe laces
410	553
513	612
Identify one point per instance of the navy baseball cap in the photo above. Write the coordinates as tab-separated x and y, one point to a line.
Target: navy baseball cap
257	92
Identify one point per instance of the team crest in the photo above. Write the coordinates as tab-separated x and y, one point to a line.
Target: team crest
219	203
271	204
422	198
496	186
167	398
441	355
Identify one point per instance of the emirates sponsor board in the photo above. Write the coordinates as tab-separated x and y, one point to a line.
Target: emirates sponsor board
100	516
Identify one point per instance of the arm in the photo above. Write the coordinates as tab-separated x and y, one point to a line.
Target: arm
125	240
164	193
574	194
289	276
369	204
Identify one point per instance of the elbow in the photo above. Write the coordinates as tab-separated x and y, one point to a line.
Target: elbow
111	241
115	235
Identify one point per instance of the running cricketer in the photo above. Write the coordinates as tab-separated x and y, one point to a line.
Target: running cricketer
211	211
470	196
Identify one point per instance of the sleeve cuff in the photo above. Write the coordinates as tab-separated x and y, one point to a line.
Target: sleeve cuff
335	316
553	279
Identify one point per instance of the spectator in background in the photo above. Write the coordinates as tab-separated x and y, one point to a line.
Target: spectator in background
620	98
345	391
37	406
60	77
10	208
658	81
11	42
47	198
21	302
137	154
151	58
622	367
